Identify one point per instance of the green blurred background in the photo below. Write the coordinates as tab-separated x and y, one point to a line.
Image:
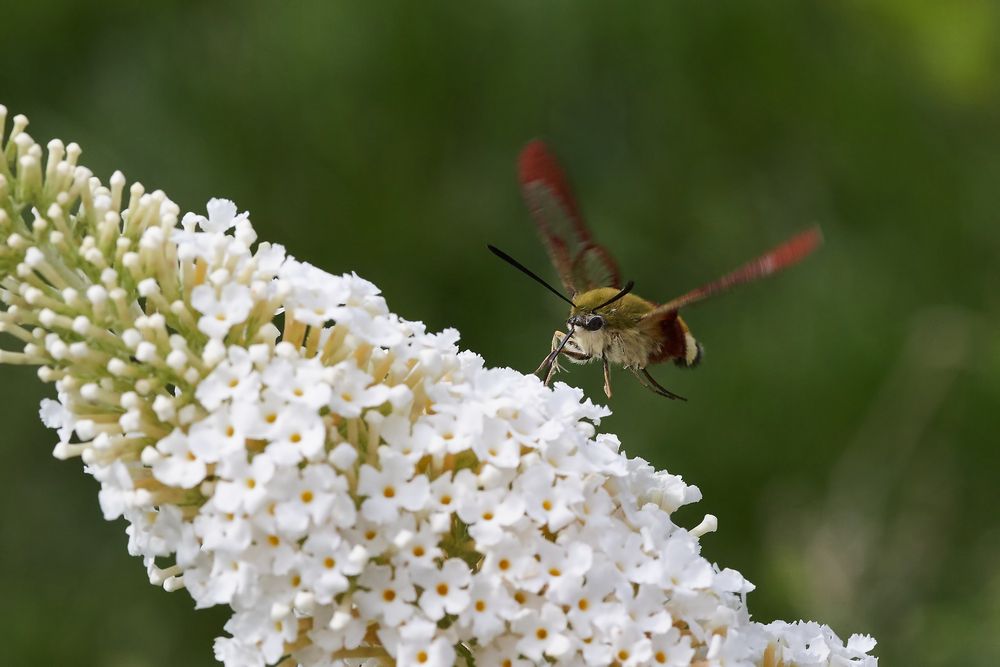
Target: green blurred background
839	426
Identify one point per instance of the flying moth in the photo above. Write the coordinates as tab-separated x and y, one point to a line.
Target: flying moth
607	321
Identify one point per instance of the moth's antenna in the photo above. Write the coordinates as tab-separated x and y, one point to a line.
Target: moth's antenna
622	292
531	274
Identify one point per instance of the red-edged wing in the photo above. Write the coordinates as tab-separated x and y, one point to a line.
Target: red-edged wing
788	253
582	264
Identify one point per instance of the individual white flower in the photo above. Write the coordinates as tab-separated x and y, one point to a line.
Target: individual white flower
542	633
734	648
230	651
303	383
503	652
336	628
445	589
386	594
221	311
296	433
630	646
221	217
490	514
548	499
588	604
223	531
681	566
272	552
117	494
646	607
220	580
355	391
423	548
216	437
450	491
234	379
561	568
859	645
499	448
671	648
56	416
508	560
313	294
318	495
268	631
420	645
376	538
391	488
175	464
490	607
244	488
328	563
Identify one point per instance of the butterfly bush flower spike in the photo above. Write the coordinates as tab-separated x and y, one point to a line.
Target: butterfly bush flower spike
354	488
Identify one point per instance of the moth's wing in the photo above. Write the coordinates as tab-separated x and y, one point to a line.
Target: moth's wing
582	264
788	253
594	267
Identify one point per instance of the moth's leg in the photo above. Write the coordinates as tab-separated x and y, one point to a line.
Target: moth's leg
571	351
575	356
544	370
607	377
544	367
552	370
562	344
557	338
550	364
650	383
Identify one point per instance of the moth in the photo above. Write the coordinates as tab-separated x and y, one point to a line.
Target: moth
607	322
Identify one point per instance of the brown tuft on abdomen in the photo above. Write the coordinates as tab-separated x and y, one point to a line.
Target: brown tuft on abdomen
672	330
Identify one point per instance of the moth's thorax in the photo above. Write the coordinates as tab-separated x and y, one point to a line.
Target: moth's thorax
630	307
626	347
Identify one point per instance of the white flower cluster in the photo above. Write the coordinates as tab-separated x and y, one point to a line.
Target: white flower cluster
357	490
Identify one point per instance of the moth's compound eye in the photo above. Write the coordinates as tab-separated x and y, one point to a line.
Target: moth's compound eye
594	323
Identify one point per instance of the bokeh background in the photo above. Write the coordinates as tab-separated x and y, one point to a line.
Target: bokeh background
843	426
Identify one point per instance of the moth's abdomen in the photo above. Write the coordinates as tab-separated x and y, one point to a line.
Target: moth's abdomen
693	352
676	343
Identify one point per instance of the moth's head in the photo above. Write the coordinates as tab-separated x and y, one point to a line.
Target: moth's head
587	321
599	308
